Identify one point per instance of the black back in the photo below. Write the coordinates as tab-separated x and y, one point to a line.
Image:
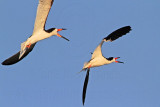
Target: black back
15	58
118	33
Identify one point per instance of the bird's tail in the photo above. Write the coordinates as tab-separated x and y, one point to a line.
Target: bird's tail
84	68
23	49
23	45
85	64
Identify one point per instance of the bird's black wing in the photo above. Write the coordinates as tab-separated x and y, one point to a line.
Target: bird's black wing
85	86
15	58
118	33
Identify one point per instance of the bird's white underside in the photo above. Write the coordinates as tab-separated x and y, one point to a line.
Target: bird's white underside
97	61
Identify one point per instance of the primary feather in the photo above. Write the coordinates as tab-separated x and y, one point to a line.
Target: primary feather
85	86
118	33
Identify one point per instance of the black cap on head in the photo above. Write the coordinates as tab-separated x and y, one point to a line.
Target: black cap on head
50	30
110	58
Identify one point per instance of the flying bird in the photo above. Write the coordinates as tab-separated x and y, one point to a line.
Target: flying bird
98	59
39	33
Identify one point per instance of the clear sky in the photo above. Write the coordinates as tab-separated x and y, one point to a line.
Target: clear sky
48	76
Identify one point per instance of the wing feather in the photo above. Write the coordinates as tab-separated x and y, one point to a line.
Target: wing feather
43	9
85	86
111	37
15	58
118	33
98	50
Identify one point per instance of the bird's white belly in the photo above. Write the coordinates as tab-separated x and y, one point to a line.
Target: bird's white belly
37	37
97	62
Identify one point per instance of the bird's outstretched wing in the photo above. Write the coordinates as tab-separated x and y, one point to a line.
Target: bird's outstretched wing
118	33
111	37
85	86
43	9
15	58
98	51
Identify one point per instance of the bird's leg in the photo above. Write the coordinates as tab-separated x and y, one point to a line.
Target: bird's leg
28	46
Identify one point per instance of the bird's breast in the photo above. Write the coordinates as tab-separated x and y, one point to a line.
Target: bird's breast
39	36
98	61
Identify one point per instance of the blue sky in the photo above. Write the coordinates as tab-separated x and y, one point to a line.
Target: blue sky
49	76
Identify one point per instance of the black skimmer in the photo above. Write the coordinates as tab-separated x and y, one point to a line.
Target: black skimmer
39	33
98	59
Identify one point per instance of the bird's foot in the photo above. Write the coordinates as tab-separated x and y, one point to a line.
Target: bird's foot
28	46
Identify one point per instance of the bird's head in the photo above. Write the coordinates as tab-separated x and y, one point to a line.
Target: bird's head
54	31
112	59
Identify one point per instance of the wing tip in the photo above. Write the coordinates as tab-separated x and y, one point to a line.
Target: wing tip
4	63
129	28
118	33
83	103
8	62
85	86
